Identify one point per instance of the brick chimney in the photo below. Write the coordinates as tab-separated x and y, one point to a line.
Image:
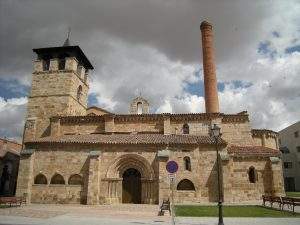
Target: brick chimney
209	68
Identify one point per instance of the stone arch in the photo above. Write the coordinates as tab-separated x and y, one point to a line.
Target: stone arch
127	161
185	185
40	179
139	105
57	179
75	179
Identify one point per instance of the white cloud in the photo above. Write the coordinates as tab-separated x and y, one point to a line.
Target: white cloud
12	116
273	100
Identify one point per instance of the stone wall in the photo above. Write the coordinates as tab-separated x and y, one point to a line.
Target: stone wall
87	128
66	162
238	188
56	193
237	133
202	175
195	127
139	127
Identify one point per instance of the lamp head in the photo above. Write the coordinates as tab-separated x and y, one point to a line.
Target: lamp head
215	131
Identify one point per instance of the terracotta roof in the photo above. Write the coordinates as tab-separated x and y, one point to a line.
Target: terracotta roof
8	146
246	151
129	139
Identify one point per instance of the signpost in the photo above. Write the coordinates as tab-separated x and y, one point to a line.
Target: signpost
172	168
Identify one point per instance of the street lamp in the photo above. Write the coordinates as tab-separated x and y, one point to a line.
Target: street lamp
216	134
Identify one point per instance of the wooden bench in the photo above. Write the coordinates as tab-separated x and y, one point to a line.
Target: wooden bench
12	201
290	202
165	206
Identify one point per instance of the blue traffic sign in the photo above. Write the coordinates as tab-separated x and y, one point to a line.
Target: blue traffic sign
172	166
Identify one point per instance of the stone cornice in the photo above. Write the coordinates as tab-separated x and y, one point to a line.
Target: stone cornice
157	117
267	133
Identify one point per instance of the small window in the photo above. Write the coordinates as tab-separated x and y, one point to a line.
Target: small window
61	64
252	174
288	165
40	179
185	185
57	179
279	141
186	129
298	148
139	106
187	163
46	64
75	179
79	92
296	134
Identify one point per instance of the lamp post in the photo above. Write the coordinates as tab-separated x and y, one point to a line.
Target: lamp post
216	134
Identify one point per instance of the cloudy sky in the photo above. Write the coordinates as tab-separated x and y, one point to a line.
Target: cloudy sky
153	47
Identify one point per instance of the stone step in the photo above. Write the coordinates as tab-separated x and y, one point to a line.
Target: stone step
130	207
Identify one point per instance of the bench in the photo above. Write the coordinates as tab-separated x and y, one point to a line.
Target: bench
272	200
12	201
290	202
165	206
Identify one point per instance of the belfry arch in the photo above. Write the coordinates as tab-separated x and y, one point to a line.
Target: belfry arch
126	170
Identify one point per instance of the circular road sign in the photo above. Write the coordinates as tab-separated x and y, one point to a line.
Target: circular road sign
172	166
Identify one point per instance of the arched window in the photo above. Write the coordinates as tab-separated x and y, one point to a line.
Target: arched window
185	185
252	174
57	179
75	179
185	129
61	64
139	108
40	179
79	92
187	163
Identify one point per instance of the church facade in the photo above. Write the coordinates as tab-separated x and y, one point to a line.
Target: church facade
76	154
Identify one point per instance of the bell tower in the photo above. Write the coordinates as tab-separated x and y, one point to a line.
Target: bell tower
59	87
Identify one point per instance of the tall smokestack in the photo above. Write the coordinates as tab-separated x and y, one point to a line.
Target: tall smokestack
209	68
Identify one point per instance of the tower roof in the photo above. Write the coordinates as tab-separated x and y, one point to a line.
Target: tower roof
70	51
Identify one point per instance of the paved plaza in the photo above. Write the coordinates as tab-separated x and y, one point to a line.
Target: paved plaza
114	215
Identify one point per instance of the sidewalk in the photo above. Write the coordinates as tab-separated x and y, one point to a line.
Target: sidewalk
115	215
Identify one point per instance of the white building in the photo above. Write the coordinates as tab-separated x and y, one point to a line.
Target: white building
289	141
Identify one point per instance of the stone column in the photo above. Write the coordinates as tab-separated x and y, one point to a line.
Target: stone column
263	140
109	123
55	126
277	175
226	171
94	178
209	68
163	184
25	175
167	123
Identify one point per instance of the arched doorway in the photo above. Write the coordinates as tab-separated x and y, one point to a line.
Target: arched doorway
131	186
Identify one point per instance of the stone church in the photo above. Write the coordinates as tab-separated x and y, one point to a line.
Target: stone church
79	154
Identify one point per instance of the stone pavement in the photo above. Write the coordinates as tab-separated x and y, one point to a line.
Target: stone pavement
114	215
